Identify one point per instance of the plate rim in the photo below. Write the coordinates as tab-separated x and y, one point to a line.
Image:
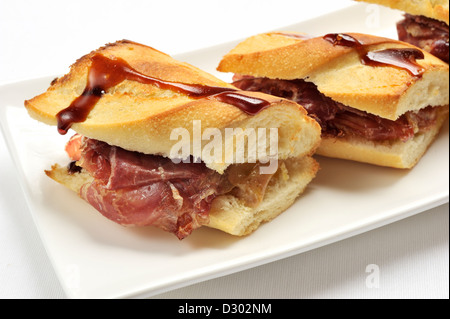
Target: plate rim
401	213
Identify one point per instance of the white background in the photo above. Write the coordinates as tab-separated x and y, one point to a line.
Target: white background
40	38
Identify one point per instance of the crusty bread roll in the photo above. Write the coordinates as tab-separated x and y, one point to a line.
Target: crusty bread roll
160	110
384	91
339	74
139	117
435	9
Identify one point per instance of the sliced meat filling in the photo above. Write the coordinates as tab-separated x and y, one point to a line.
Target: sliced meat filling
426	33
338	120
132	188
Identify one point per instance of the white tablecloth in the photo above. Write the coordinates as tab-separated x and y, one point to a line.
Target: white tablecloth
407	259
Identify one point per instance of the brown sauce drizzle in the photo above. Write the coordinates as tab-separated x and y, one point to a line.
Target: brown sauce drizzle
105	73
403	58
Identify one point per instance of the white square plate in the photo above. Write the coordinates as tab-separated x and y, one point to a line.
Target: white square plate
95	258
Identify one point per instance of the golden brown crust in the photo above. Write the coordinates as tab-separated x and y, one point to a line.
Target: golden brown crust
142	58
141	117
435	9
339	74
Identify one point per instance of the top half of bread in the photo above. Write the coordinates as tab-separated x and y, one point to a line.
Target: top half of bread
338	72
141	117
435	9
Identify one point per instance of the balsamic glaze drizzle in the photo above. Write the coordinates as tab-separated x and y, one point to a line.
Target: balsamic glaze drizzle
402	58
105	73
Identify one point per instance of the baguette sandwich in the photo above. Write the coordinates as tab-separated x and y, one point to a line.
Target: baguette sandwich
130	107
425	24
378	101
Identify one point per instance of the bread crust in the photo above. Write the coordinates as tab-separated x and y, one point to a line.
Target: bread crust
141	117
435	9
338	72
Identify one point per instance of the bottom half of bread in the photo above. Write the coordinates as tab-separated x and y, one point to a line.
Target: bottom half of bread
228	213
395	154
232	216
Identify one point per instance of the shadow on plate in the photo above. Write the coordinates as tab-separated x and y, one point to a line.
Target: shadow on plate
353	176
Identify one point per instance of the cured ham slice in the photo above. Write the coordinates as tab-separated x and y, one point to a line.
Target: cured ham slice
426	33
340	120
136	189
132	188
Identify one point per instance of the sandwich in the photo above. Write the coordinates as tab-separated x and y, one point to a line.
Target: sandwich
135	114
425	24
378	100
